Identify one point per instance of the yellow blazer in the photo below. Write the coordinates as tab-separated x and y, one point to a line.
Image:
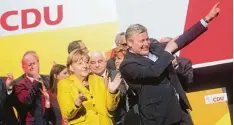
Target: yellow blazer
95	111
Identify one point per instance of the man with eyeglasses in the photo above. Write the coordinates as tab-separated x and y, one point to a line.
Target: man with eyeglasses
120	42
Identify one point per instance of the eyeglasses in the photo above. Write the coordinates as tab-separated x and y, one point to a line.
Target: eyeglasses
124	44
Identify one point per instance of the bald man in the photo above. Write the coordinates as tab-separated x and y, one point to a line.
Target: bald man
27	91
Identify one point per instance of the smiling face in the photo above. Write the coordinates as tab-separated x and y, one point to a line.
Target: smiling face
138	39
119	59
77	63
80	67
30	64
97	63
139	43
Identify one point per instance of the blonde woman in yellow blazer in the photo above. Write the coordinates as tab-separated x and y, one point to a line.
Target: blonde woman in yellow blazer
84	98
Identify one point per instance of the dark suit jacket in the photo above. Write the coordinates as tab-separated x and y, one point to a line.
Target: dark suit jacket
29	100
156	82
7	115
121	111
111	64
185	72
53	114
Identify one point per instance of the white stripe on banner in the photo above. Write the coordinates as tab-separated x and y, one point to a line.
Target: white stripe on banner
75	13
212	63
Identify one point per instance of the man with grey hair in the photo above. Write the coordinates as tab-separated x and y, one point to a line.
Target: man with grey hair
97	63
27	90
148	69
120	42
98	66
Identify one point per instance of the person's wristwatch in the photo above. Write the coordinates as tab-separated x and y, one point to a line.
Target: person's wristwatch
48	102
207	21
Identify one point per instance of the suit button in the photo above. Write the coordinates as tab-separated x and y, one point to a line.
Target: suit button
93	105
96	113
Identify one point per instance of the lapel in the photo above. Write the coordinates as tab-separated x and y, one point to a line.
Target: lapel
76	83
45	81
156	49
27	80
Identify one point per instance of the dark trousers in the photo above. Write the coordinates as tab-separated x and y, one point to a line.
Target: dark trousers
186	118
29	123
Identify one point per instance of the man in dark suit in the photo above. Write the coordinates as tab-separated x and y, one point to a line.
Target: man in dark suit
148	69
30	106
184	70
120	42
7	115
183	66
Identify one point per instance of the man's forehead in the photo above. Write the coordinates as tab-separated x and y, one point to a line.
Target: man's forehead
30	57
145	34
122	39
97	58
139	35
96	55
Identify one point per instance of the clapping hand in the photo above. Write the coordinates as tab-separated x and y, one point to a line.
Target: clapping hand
45	93
114	85
9	80
80	99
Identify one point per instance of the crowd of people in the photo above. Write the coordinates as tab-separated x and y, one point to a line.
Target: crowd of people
141	81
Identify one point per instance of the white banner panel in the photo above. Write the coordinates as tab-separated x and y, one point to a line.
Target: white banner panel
18	17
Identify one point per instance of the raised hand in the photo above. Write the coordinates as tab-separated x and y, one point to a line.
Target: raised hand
114	85
9	80
172	45
80	99
45	93
213	13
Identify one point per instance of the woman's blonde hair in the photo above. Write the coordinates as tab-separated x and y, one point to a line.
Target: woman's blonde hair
74	56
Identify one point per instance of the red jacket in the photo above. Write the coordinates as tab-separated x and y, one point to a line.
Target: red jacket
28	96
